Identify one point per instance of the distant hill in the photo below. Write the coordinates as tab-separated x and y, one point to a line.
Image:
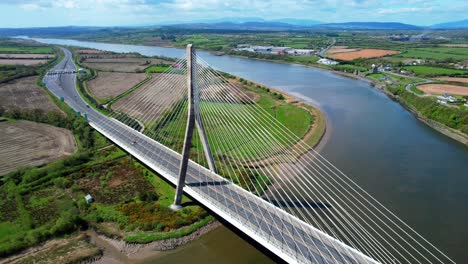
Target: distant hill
452	25
369	26
298	22
237	26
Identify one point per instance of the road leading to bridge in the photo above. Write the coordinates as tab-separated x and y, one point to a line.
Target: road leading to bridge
283	234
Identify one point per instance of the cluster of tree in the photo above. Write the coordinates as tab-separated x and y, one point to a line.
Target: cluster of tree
11	72
452	117
68	222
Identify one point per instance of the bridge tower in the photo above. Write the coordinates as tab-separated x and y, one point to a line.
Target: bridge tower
194	119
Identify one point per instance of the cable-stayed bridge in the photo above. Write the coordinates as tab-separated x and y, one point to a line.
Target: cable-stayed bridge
208	136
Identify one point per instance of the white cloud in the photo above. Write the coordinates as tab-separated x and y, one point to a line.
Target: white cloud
404	10
126	12
30	6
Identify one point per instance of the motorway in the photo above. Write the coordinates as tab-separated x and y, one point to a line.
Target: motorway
283	234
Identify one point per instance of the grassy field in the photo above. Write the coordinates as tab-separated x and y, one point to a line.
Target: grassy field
435	53
158	68
303	60
242	134
22	49
429	71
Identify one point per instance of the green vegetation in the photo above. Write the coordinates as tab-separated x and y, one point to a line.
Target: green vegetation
294	118
415	90
158	68
148	237
430	71
25	49
427	107
77	125
45	202
443	54
11	72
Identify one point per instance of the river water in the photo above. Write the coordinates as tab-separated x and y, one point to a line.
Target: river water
418	173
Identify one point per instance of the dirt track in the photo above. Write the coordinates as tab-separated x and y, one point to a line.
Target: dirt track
111	84
443	88
25	143
363	53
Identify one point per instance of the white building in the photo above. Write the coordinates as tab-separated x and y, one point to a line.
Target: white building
327	61
300	52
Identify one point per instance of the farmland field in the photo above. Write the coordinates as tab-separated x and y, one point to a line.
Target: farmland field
25	143
26	62
443	88
453	79
25	56
435	53
111	84
25	94
363	53
90	51
465	45
158	69
141	95
120	64
339	49
434	71
21	49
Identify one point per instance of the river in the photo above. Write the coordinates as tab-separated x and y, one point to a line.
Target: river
418	173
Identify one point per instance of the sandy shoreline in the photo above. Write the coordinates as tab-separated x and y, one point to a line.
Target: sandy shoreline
118	251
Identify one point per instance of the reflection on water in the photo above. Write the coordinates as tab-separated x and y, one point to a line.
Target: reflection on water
416	172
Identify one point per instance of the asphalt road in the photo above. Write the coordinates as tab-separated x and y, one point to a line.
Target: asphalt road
280	232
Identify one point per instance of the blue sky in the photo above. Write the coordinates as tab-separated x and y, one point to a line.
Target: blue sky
39	13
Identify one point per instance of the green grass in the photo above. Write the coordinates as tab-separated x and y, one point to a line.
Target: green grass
429	71
9	228
302	60
143	238
157	69
415	90
436	53
19	49
238	138
349	67
375	76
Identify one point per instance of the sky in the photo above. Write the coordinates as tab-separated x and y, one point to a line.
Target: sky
44	13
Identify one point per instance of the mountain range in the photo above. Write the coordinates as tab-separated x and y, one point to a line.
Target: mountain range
291	24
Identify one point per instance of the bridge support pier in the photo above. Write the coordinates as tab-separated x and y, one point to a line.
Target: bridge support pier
194	119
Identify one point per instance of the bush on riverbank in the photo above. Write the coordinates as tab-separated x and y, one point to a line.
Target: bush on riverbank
455	118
